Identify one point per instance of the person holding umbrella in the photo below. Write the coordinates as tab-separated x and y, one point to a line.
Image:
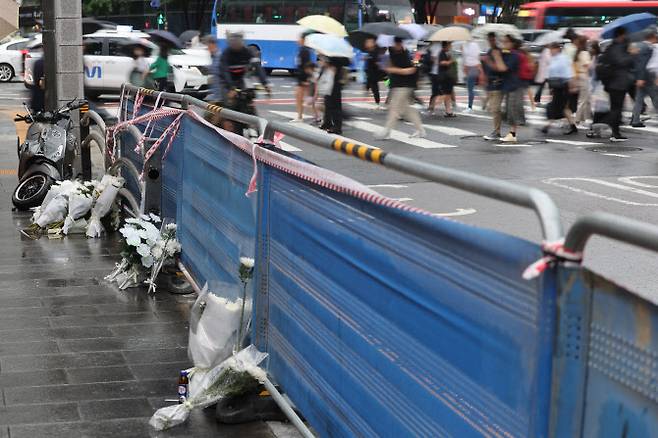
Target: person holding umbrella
403	76
159	70
374	73
304	64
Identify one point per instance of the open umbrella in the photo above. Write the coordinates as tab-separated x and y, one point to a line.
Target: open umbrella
91	25
386	28
188	36
166	38
632	23
556	36
417	31
323	24
451	33
500	29
331	46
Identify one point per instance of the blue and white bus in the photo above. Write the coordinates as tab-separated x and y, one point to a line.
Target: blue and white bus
269	25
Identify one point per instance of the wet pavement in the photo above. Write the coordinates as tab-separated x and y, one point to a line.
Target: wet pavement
78	357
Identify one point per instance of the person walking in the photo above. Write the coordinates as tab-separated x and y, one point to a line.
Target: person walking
446	77
403	77
542	72
560	75
645	79
303	62
374	73
615	69
494	100
527	70
159	70
472	69
433	53
581	66
333	107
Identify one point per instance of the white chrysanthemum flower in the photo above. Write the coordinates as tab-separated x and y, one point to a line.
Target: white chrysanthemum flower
171	227
143	250
147	261
131	235
247	262
157	251
155	218
172	247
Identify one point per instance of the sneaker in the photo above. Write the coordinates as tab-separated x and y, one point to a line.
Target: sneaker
468	111
572	130
593	134
296	120
638	125
380	108
618	138
418	134
509	138
544	130
383	136
492	136
449	115
429	113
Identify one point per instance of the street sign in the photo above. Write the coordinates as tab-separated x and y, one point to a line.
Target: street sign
155	3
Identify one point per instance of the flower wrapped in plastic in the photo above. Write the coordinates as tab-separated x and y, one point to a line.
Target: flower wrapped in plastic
107	191
81	198
54	212
237	375
214	326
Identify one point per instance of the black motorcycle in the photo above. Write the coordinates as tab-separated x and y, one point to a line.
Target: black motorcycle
46	155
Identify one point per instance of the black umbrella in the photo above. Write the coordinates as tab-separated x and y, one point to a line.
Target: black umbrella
128	47
165	37
91	25
385	28
188	36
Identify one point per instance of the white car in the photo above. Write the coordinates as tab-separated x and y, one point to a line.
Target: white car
107	67
11	58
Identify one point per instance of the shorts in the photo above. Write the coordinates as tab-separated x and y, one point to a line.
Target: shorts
302	78
436	88
446	84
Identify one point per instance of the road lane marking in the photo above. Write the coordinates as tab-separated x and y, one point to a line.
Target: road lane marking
288	147
388	186
630	180
617	155
458	212
512	145
403	199
557	183
572	142
399	136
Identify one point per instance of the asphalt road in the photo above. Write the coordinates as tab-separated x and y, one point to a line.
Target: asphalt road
622	180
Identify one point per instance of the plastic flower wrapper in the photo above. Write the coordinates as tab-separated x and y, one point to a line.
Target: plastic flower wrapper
214	323
245	272
55	211
236	375
80	200
165	248
55	190
112	185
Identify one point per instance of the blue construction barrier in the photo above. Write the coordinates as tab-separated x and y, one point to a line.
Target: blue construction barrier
383	322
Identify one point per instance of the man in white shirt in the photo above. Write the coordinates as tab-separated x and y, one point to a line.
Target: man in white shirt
472	66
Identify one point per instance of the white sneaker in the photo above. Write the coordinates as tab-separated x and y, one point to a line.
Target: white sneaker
418	134
383	136
492	136
380	108
297	120
509	138
468	111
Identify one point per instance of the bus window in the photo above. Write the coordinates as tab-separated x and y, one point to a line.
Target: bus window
556	18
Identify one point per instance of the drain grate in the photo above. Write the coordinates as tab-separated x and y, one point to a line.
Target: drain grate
613	149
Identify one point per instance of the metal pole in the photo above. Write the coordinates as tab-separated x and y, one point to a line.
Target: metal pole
62	42
614	227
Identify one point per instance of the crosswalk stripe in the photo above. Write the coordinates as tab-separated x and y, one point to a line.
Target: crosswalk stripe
288	147
572	142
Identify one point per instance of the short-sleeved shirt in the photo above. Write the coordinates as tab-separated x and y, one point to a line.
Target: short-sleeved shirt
444	56
494	77
435	50
160	68
303	60
401	59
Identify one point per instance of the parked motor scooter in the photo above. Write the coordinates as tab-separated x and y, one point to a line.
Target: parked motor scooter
46	155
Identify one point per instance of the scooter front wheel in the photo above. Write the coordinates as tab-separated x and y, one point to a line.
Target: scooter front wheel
31	191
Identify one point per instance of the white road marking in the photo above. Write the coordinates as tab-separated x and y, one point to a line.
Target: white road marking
556	182
458	212
617	155
512	145
630	180
399	136
403	199
572	142
388	186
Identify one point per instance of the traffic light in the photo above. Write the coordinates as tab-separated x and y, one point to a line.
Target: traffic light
161	18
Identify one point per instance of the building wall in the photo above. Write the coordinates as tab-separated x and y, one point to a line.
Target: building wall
8	17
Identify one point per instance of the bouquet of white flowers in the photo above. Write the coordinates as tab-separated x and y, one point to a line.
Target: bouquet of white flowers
145	247
81	198
237	375
106	192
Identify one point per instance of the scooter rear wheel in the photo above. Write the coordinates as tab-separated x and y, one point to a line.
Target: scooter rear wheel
31	191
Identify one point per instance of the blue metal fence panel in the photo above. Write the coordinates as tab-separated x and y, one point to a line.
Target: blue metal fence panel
217	222
618	355
381	322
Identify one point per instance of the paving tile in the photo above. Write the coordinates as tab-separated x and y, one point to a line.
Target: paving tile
123	428
86	345
159	370
22	348
77	392
80	300
158	328
79	310
156	356
23	322
18	302
108	320
63	360
39	413
33	378
110	409
99	374
27	335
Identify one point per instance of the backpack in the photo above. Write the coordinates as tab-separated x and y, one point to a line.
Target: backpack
527	68
604	71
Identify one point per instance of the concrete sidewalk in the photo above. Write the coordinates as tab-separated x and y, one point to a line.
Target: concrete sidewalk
79	358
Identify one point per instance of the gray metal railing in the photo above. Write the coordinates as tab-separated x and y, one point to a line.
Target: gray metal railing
614	227
534	199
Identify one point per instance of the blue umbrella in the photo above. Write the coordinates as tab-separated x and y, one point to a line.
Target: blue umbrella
632	23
